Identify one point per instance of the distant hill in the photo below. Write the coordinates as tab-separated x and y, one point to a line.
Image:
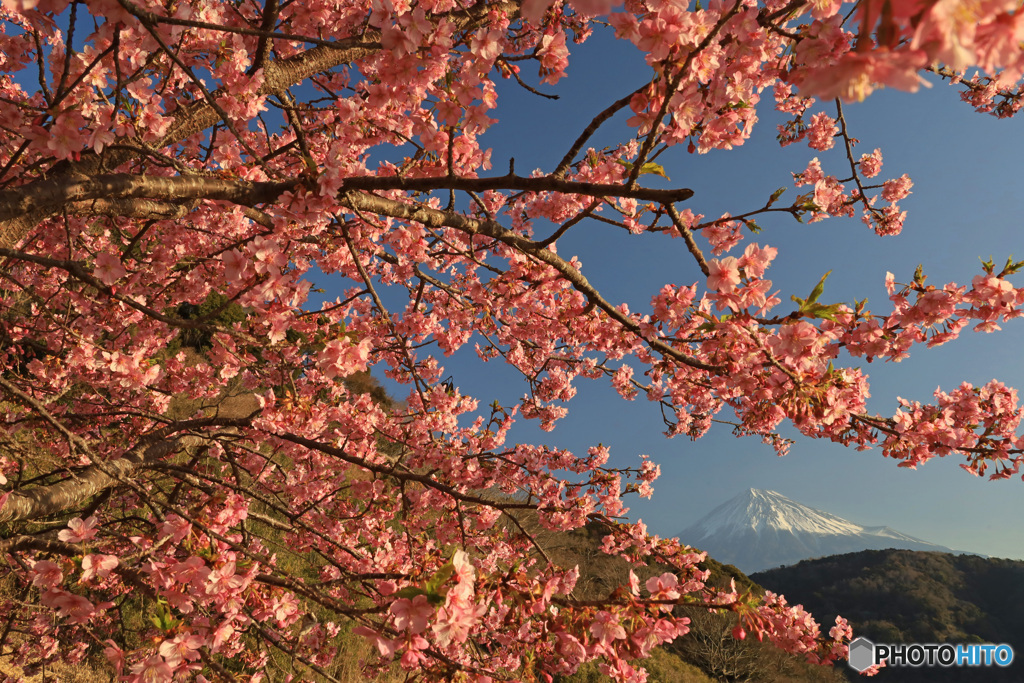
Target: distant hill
901	596
759	530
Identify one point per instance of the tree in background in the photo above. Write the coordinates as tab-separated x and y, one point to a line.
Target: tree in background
192	483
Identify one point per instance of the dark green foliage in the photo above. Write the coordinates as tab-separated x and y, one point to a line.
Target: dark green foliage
364	383
215	311
894	596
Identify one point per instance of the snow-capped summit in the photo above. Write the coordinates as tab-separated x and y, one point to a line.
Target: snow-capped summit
760	530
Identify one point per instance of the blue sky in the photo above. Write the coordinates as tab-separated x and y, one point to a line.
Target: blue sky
966	204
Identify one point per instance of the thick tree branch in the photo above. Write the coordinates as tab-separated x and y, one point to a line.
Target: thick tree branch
103	194
72	493
26	542
130	208
54	194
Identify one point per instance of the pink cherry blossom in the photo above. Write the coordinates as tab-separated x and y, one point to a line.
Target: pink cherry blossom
871	164
97	565
79	530
193	570
67	136
108	268
114	655
412	615
724	275
183	647
235	264
385	646
663	587
606	628
341	358
46	574
857	74
822	131
76	608
223	579
897	189
755	259
455	621
151	670
20	5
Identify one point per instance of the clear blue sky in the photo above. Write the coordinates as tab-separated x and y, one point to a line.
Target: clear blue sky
966	203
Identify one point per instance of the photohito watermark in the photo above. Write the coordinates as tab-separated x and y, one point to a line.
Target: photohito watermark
865	654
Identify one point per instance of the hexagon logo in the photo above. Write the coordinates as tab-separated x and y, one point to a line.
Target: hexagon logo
862	654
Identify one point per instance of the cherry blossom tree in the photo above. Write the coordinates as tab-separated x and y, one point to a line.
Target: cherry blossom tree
192	485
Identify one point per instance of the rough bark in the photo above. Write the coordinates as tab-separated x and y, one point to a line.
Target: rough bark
72	493
224	417
59	192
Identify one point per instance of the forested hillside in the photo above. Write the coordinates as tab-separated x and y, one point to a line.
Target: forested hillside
904	596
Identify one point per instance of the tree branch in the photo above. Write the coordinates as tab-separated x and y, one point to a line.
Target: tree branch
199	115
52	195
70	494
188	121
130	208
473	226
548	183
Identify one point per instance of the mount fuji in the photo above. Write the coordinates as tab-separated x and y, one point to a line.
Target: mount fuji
760	530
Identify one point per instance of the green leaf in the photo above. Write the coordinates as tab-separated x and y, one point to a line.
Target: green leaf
654	169
818	288
826	311
434	583
775	196
1011	266
163	619
410	592
650	168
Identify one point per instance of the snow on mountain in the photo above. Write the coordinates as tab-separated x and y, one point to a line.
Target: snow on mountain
760	530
